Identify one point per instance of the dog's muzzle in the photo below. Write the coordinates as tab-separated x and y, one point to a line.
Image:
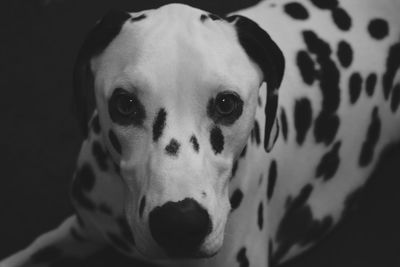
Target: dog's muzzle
180	227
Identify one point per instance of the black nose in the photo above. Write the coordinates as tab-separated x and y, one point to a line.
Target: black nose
180	227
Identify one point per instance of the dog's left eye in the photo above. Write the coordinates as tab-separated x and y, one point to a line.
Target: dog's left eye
125	104
226	108
125	108
226	103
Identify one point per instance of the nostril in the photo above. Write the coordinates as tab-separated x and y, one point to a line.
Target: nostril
179	227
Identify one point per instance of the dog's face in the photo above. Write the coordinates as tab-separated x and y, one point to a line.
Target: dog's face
176	94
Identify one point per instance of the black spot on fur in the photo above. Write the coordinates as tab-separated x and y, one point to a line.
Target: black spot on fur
345	53
46	255
216	139
143	16
392	65
368	146
100	155
325	4
327	122
83	183
355	85
142	205
296	11
195	143
172	148
272	175
236	198
329	163
316	45
125	230
255	133
75	235
104	208
298	225
378	28
159	124
114	141
302	118
370	84
326	126
394	104
341	19
118	242
306	67
96	124
260	215
242	258
284	124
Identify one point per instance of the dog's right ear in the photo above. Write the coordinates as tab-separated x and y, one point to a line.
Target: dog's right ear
83	81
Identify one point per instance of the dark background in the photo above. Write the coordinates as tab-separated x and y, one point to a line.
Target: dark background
39	137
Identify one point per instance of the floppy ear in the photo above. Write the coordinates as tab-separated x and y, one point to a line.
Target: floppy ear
267	55
83	81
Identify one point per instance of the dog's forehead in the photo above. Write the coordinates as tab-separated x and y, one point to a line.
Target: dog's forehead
174	42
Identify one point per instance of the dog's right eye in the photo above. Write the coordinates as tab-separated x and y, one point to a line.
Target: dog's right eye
125	108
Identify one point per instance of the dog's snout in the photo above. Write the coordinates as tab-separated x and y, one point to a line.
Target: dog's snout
180	227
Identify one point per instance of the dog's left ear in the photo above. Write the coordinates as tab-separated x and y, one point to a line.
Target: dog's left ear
83	81
267	55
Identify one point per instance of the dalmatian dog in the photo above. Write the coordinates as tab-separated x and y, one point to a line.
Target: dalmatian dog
227	141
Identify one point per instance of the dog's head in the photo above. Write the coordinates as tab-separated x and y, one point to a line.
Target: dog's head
176	91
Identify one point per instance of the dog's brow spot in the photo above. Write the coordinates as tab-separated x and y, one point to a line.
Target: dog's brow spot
159	124
195	143
173	147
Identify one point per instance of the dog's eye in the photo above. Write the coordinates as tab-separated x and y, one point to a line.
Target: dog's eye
125	108
125	104
226	108
226	103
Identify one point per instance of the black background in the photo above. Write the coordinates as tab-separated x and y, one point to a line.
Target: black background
39	137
